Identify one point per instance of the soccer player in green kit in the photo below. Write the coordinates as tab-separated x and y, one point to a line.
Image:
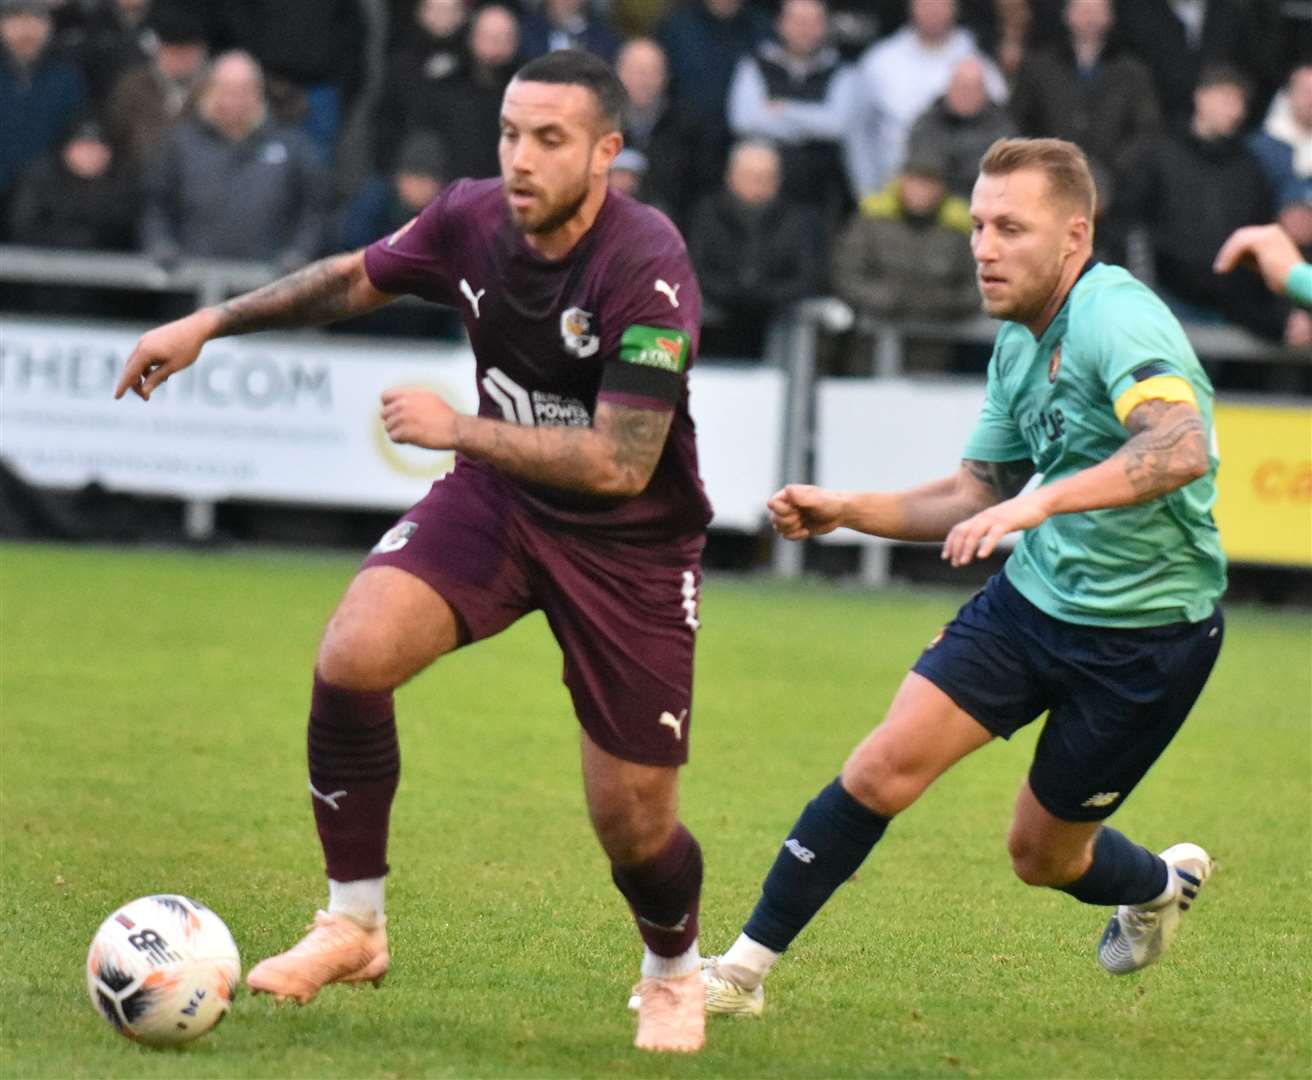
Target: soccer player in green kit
1104	616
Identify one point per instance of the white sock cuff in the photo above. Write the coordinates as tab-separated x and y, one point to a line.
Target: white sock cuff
362	900
671	967
751	956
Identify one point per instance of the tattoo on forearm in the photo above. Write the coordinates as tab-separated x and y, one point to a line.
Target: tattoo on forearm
1167	447
316	294
639	436
1006	478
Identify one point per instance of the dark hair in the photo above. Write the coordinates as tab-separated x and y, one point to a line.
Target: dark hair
1225	75
577	67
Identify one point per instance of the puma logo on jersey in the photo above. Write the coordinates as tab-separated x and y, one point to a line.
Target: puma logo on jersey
471	296
670	292
331	800
674	723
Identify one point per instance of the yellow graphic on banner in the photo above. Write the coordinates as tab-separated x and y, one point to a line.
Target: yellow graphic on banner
1264	487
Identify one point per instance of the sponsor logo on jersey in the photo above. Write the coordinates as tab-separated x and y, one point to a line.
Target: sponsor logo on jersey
655	346
576	332
1054	364
396	537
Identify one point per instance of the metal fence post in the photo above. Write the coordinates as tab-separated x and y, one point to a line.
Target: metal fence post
799	341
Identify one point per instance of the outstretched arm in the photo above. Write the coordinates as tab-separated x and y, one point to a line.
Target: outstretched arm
928	512
1268	247
1167	449
615	457
327	290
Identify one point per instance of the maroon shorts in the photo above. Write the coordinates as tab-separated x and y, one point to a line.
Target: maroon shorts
624	613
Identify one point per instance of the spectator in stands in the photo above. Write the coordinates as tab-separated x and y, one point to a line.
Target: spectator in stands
905	254
312	52
465	109
147	100
385	203
900	77
795	91
755	253
119	35
684	152
960	126
1089	89
627	172
431	49
76	197
1192	190
40	95
704	40
232	183
381	206
1178	38
566	24
1284	144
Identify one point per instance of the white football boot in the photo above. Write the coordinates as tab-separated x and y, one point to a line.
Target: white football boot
1138	933
727	996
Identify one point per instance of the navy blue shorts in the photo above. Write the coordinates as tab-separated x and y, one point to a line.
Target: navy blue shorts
1115	698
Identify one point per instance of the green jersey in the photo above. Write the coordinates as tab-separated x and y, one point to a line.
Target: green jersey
1061	402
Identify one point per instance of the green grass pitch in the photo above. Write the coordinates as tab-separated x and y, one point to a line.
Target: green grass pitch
153	740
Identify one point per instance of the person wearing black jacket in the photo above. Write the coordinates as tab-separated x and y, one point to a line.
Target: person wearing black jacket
1193	189
754	252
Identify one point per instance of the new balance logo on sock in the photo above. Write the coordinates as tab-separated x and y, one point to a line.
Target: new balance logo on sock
678	928
331	800
1103	798
800	853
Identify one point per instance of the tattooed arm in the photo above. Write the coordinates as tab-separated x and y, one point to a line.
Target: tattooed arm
330	289
1167	449
926	512
614	457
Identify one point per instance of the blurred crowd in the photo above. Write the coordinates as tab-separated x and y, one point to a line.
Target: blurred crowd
806	148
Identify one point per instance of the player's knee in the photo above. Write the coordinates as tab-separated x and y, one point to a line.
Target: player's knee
357	660
881	781
630	838
1038	867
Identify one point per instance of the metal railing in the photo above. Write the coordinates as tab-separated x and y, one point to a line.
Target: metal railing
792	344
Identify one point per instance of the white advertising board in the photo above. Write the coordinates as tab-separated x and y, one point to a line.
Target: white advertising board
891	434
294	418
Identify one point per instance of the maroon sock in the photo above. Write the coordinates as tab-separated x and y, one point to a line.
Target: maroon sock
663	894
354	766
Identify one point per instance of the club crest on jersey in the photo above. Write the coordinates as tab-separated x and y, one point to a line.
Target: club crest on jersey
575	332
396	538
1054	364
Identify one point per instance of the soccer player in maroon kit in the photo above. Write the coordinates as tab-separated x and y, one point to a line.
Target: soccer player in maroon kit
575	491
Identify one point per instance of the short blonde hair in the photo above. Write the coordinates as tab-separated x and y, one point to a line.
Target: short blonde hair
1062	162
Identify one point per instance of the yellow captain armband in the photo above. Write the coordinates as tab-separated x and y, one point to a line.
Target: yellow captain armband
1154	388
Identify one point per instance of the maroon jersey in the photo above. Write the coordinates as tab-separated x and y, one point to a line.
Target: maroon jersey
616	320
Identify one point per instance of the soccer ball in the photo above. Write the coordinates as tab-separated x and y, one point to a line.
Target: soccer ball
163	969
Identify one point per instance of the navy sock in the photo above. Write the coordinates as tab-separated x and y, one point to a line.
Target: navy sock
830	840
1122	872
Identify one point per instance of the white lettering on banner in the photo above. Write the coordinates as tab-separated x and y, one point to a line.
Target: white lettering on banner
220	380
294	418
